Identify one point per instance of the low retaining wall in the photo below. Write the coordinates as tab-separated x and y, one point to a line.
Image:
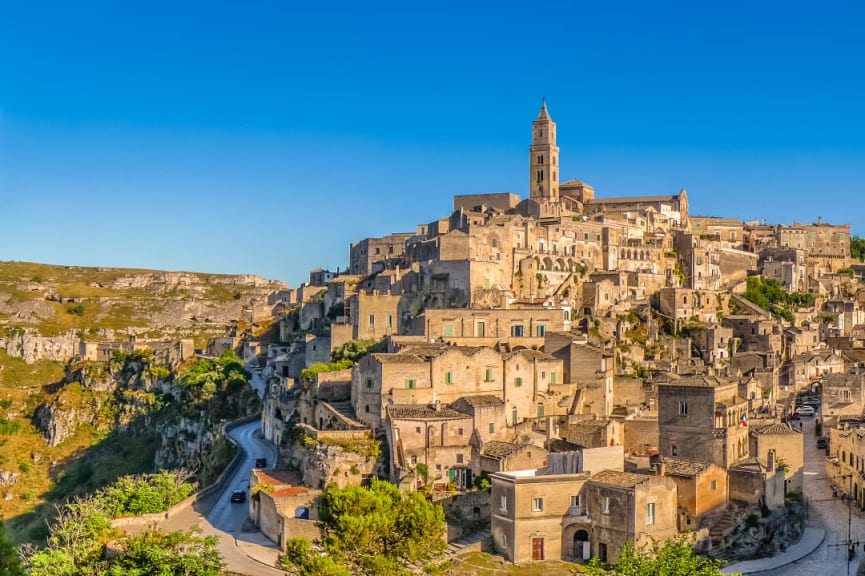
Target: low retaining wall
155	521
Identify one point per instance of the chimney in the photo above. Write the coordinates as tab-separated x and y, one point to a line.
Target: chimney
437	405
771	461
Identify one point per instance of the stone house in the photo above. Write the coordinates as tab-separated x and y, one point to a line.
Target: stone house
499	456
789	448
585	366
627	507
686	304
712	344
846	461
702	418
701	488
437	437
280	508
756	482
530	515
755	333
805	369
842	396
469	326
374	254
800	340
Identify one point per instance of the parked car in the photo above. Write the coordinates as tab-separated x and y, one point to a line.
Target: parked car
806	411
822	443
238	496
261	462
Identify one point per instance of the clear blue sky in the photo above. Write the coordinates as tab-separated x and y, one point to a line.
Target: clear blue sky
264	137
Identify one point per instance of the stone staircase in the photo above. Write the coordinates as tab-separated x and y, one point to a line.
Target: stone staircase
345	411
721	528
469	543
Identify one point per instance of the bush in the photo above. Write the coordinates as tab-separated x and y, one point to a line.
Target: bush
145	494
8	427
76	309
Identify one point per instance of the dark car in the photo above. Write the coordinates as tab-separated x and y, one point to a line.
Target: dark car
822	443
238	496
261	462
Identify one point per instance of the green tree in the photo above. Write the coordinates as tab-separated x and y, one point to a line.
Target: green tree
10	565
167	553
857	248
373	531
674	557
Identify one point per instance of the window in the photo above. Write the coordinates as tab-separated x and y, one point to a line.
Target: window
541	331
586	236
459	431
605	504
449	377
449	330
543	375
575	500
540	410
459	458
377	251
650	513
503	504
390	249
414	460
514	417
517	331
537	504
492	428
488	377
369	383
438	467
683	408
366	408
371	320
518	382
480	330
410	383
495	243
389	321
553	378
417	430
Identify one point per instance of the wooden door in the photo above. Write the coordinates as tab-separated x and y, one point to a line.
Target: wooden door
537	548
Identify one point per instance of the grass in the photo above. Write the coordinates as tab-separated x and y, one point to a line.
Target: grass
482	564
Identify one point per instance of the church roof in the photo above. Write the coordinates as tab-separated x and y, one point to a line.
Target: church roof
543	114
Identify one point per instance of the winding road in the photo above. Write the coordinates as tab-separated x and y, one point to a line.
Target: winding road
244	549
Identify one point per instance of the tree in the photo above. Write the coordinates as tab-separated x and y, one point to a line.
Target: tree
373	531
857	248
10	565
674	557
167	553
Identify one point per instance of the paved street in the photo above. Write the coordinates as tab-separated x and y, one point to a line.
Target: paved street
245	552
830	559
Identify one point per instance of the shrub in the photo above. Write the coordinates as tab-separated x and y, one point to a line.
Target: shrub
76	309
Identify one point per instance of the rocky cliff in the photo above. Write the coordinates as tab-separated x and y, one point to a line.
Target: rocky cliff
45	311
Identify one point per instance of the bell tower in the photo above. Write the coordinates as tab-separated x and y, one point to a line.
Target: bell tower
544	159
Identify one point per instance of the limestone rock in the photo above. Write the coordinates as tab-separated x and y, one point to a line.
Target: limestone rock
8	478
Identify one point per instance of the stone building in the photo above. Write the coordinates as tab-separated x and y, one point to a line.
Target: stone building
701	489
788	445
529	511
703	419
373	254
627	507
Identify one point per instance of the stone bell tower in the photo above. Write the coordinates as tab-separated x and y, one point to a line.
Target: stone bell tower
544	159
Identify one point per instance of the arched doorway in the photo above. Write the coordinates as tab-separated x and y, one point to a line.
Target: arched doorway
582	549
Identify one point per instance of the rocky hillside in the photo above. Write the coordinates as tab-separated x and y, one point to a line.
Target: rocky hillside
68	426
45	310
